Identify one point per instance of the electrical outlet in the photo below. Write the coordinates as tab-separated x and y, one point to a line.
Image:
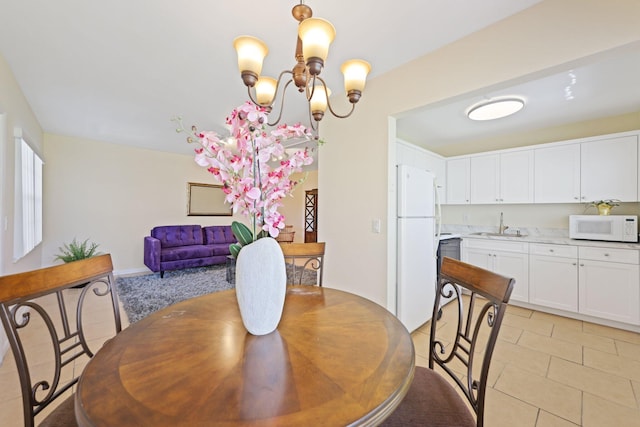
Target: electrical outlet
375	226
465	218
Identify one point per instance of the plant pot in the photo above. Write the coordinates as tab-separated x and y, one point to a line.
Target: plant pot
261	285
604	209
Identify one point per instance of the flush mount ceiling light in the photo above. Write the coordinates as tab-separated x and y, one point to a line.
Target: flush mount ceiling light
314	37
495	109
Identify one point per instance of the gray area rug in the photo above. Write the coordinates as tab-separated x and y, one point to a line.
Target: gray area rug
142	295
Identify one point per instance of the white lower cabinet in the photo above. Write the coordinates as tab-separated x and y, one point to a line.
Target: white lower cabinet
553	276
507	258
609	284
593	281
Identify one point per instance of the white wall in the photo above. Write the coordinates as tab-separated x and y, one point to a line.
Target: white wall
354	174
293	207
113	195
16	113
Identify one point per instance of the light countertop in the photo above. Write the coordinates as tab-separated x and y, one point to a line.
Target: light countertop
533	235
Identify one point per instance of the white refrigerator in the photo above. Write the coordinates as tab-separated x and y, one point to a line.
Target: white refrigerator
417	240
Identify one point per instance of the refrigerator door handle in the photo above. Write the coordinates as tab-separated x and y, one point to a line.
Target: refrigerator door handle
436	241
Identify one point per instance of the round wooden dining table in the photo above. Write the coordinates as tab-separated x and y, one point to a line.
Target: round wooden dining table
336	359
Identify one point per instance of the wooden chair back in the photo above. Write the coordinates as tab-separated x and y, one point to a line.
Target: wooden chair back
469	347
304	262
42	312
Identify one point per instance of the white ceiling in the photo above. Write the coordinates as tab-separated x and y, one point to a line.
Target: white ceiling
598	87
119	70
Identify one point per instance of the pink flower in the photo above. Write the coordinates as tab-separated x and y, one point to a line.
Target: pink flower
253	184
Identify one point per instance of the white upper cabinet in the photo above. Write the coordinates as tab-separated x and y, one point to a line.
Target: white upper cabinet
485	172
577	171
609	169
502	178
557	174
516	177
458	181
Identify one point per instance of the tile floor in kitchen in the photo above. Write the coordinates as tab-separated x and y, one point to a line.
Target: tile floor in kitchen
546	371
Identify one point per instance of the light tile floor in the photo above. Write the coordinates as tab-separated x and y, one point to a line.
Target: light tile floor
550	371
547	371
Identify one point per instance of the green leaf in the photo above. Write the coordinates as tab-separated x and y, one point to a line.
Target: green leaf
234	248
242	233
75	251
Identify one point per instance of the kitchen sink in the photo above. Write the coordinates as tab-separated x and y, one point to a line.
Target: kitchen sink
486	233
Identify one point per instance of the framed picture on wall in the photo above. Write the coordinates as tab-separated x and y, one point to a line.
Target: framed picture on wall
206	200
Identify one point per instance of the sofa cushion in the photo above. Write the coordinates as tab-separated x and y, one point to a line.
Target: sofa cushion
216	234
178	235
222	249
186	252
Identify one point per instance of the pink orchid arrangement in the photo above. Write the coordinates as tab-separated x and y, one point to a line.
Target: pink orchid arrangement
254	178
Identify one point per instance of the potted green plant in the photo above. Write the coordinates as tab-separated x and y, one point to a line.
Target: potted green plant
604	206
75	251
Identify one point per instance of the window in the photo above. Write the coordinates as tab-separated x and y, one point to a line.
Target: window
28	204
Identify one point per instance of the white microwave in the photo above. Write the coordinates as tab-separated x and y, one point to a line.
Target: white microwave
612	228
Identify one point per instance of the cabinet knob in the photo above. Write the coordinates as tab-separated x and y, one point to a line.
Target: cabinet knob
574	263
576	198
606	254
550	250
581	265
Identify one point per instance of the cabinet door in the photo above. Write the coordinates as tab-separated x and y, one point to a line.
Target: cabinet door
458	181
514	265
609	169
557	174
553	282
516	177
485	179
610	290
510	264
478	257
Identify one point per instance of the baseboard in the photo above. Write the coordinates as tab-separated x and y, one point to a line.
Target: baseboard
132	271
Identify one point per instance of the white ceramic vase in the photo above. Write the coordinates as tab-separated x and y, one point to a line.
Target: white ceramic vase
261	285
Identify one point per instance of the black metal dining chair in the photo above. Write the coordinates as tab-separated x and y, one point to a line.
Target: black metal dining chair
461	344
49	329
304	262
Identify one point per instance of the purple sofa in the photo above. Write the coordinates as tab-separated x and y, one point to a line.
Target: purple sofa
173	247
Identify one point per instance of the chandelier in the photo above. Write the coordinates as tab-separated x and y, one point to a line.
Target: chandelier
314	37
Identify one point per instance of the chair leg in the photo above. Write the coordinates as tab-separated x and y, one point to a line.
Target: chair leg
161	274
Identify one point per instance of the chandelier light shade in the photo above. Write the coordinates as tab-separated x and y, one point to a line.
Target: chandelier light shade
355	76
318	102
315	35
495	109
266	90
251	53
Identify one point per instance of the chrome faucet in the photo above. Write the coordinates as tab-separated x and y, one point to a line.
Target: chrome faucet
502	227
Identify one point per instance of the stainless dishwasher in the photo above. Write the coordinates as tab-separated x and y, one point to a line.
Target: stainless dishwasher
449	245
